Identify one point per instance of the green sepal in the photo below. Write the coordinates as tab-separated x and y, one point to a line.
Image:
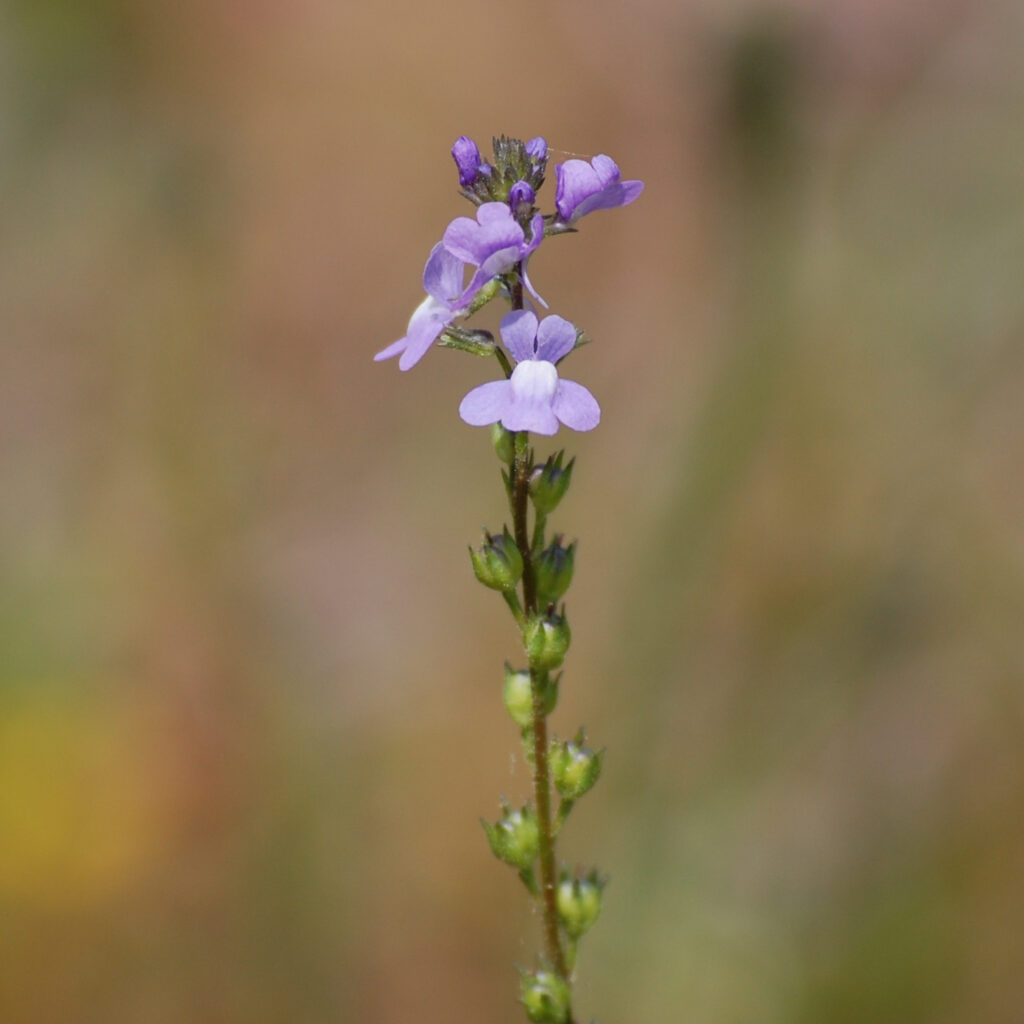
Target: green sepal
518	695
545	997
546	639
515	837
504	445
498	563
550	482
553	569
578	899
477	343
575	768
488	292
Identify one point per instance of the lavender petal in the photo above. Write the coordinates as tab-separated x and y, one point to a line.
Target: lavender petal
486	404
556	338
460	239
621	193
391	351
575	406
443	274
519	332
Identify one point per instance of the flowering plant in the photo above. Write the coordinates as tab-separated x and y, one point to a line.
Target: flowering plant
531	574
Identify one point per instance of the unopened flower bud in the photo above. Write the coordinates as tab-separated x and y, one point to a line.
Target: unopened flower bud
546	997
553	571
578	899
537	148
549	483
504	445
498	564
574	767
467	158
515	837
519	194
546	640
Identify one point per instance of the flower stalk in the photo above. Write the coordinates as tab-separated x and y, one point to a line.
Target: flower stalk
532	398
538	727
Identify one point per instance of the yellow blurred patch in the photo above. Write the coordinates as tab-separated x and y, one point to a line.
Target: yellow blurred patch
79	817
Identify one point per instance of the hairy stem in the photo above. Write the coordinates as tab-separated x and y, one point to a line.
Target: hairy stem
520	499
541	771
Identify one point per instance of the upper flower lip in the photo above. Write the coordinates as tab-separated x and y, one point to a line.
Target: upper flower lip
551	341
494	243
584	187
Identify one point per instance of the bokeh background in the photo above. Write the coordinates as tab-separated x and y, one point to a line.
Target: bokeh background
249	690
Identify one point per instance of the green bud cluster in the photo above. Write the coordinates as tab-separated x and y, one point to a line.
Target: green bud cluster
515	836
512	162
498	564
545	997
578	899
574	767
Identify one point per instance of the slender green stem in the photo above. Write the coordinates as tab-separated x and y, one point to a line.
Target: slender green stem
520	499
521	468
512	600
541	771
516	287
564	809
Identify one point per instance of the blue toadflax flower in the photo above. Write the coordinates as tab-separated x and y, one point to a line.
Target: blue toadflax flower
534	397
442	279
582	188
493	243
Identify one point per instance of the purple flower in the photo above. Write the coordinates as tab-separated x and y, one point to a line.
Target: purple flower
582	188
467	159
493	243
442	279
533	398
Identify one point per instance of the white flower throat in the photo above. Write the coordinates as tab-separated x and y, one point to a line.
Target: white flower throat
534	381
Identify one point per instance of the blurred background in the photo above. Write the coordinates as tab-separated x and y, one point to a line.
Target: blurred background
250	702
